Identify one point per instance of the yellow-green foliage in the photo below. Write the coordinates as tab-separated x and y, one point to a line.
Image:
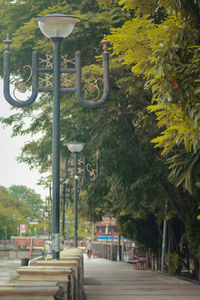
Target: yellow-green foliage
141	6
175	263
165	51
180	128
106	3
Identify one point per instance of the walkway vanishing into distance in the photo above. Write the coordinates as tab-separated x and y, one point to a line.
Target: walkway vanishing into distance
107	280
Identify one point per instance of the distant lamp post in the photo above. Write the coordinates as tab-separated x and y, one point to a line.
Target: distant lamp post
56	27
47	215
67	223
66	190
75	148
110	231
13	218
90	174
28	221
18	226
6	229
63	212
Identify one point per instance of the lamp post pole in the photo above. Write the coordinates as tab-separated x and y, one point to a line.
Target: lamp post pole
28	221
50	210
65	182
164	238
75	148
6	229
13	218
63	212
75	200
67	222
56	147
56	27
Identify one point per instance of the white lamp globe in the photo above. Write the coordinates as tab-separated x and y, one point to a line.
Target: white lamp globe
56	25
75	147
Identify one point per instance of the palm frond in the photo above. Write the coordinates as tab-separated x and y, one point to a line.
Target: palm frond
184	169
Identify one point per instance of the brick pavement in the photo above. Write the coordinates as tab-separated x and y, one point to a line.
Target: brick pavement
107	280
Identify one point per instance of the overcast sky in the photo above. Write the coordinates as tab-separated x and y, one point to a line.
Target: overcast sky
12	172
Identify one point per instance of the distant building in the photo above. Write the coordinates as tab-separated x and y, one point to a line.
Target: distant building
106	230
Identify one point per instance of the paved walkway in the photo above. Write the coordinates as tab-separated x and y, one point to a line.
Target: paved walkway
107	280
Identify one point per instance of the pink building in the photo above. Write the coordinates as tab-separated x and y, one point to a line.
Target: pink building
106	230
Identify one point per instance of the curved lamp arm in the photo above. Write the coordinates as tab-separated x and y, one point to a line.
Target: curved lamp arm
90	174
105	57
6	66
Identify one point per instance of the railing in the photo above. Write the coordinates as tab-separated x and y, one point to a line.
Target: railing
105	250
34	260
126	251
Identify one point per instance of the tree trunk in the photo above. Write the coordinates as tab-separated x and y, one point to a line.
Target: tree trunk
174	205
196	268
174	244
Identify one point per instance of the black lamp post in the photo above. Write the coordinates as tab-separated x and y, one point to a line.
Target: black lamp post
6	229
63	212
28	222
13	218
66	191
75	148
56	27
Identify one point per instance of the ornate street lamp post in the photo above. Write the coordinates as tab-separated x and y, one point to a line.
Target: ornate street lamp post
6	230
63	212
28	222
75	148
66	191
13	219
56	27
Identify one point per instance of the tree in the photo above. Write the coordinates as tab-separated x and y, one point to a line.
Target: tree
143	230
29	197
12	211
164	48
133	182
161	42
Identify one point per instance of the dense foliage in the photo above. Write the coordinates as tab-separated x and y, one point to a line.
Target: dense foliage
28	196
163	46
161	43
13	212
154	92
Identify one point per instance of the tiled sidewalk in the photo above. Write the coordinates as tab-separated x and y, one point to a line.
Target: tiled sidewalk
107	280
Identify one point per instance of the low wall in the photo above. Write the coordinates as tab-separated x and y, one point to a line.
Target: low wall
49	279
4	253
24	253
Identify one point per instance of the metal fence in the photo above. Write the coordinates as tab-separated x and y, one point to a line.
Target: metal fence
114	251
4	243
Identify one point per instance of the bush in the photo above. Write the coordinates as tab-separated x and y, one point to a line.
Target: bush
175	263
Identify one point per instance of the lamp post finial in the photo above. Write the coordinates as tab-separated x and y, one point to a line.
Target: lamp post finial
7	43
105	43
